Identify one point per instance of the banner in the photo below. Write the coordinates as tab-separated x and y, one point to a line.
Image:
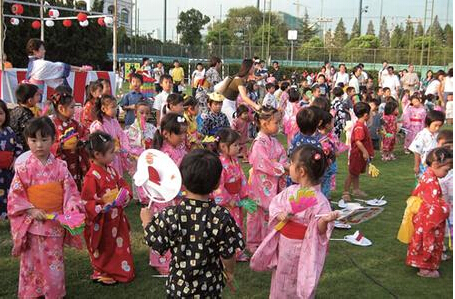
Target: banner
10	78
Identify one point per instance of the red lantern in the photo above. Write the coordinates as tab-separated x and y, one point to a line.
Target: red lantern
101	22
17	9
81	17
36	24
67	23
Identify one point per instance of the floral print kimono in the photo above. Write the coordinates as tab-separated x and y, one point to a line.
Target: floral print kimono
267	158
40	243
414	122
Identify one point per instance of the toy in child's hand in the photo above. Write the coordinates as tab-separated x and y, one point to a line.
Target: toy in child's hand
69	139
304	199
86	68
388	135
73	222
372	170
249	205
122	197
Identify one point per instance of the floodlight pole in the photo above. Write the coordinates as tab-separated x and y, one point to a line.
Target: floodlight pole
41	16
360	18
2	32
114	39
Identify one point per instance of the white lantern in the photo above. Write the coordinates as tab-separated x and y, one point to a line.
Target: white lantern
54	13
108	20
84	24
14	21
50	23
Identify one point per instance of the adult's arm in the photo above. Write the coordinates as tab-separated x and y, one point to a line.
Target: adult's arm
244	95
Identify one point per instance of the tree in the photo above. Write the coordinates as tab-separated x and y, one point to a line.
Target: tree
340	37
219	32
408	34
190	24
419	30
356	47
312	48
355	31
384	37
396	40
370	28
436	30
328	39
448	36
275	38
307	31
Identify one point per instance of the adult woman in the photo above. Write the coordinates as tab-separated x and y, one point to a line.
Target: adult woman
212	75
426	81
446	86
238	87
433	87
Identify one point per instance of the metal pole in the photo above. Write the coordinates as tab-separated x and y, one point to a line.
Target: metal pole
269	29
114	39
380	16
431	33
292	51
360	16
41	16
1	34
219	32
165	17
423	37
263	29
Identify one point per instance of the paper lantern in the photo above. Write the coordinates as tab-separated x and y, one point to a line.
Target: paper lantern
17	9
67	23
84	23
101	22
54	13
108	20
50	23
14	21
36	24
81	17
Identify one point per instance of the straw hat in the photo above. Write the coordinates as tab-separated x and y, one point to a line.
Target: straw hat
216	97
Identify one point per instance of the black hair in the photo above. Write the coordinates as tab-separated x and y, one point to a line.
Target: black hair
142	103
446	135
354	69
361	108
159	61
199	63
99	142
172	99
349	89
322	75
384	89
201	171
376	101
25	91
176	60
172	123
33	44
439	73
338	91
91	88
321	102
434	115
226	136
240	110
265	114
441	155
294	95
390	68
250	85
390	107
245	68
105	99
269	85
284	85
144	59
214	60
43	124
326	118
314	87
190	102
137	76
450	72
5	110
165	76
62	96
416	95
308	119
313	161
361	65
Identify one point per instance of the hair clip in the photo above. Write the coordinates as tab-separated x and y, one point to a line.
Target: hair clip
180	119
217	138
102	138
317	156
55	98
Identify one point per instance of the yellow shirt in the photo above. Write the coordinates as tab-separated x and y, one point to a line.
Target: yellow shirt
178	74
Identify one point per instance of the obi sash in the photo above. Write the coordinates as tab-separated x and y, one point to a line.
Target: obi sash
415	119
294	230
407	227
6	159
110	196
233	187
47	197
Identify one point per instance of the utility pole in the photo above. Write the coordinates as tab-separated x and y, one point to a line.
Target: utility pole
263	29
257	4
270	28
165	18
219	32
41	16
431	33
360	17
423	37
114	37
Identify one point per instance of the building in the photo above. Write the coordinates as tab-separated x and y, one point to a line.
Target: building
125	10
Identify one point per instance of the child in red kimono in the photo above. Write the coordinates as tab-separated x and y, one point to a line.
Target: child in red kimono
107	231
426	246
240	124
68	133
42	185
233	185
390	130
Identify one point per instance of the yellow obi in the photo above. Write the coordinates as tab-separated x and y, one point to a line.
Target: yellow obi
407	227
110	196
47	197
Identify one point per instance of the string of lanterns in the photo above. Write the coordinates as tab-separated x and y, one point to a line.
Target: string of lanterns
82	18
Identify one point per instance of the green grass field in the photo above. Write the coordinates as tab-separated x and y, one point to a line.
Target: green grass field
350	272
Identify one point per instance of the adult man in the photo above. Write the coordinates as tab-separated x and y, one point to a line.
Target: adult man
382	72
260	75
410	80
276	73
354	82
341	76
363	78
391	81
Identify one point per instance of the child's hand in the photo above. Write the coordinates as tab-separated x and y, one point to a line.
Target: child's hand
331	216
365	155
416	170
146	216
37	214
282	216
107	207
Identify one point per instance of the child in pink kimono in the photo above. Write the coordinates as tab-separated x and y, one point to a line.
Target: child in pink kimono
170	139
42	185
233	186
106	111
240	124
269	163
296	247
293	106
413	120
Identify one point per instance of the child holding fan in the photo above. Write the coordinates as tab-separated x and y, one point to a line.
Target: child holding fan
303	223
42	184
233	186
107	232
269	163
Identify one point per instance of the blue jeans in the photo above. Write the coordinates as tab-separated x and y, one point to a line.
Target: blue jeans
327	179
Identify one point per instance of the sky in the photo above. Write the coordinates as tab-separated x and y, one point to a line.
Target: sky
151	12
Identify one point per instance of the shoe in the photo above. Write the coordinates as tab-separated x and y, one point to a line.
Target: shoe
392	157
95	276
428	273
445	257
407	152
106	280
359	193
242	257
163	270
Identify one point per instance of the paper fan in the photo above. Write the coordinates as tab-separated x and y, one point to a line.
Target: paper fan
249	205
73	222
304	199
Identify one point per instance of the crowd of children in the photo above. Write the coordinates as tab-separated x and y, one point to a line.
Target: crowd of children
196	238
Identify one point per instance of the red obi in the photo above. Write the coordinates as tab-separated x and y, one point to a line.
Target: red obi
294	230
234	187
415	119
6	159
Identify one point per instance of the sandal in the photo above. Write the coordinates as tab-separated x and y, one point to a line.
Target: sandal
242	257
163	270
346	196
106	280
428	273
359	193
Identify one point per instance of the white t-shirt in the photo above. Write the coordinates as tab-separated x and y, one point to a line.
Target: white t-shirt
197	75
157	72
270	100
160	101
354	82
423	143
433	87
339	77
392	82
448	84
383	72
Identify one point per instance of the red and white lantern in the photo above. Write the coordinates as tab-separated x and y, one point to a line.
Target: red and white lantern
84	23
81	17
108	20
17	9
67	23
101	22
36	24
54	13
14	21
50	23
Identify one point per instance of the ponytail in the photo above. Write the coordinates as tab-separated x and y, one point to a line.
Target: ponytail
171	123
